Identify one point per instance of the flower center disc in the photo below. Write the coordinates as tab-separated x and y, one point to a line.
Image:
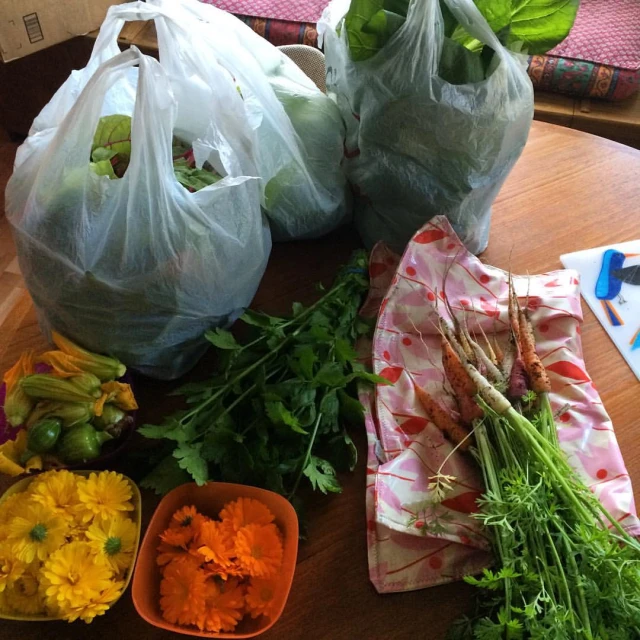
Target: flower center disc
38	533
112	546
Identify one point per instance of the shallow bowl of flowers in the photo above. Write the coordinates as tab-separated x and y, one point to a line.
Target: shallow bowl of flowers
68	543
217	561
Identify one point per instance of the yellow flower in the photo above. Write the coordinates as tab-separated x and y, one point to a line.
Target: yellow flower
57	490
23	595
104	367
73	577
18	404
120	394
63	365
10	453
35	532
96	606
10	567
114	540
104	496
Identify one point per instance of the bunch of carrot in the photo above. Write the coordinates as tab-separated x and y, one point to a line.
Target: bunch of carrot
566	568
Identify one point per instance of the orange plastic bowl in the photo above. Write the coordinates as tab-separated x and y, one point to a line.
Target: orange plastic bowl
209	500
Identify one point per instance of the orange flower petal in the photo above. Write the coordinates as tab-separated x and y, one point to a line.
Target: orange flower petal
212	544
24	367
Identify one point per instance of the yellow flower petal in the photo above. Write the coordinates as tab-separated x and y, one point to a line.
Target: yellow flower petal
63	365
23	367
123	395
9	468
10	453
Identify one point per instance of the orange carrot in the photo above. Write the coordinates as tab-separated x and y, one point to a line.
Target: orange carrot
463	387
455	371
535	369
449	427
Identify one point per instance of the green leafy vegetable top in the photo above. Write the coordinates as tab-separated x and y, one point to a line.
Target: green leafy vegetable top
274	412
532	26
111	153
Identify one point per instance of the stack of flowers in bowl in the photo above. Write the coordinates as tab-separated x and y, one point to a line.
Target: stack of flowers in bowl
217	560
214	572
67	544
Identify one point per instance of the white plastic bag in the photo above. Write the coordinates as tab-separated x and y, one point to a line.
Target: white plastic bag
300	130
139	267
416	145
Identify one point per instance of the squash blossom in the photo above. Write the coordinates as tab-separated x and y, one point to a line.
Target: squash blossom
71	360
18	404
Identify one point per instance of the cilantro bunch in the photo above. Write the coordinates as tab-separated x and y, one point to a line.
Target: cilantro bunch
273	413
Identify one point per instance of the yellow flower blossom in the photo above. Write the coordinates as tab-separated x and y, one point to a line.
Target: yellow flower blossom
104	495
97	606
35	532
23	595
114	540
73	576
57	490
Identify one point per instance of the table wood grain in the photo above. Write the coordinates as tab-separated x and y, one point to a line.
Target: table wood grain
569	191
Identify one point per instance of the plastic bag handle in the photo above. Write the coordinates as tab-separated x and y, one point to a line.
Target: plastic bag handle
106	44
151	124
475	24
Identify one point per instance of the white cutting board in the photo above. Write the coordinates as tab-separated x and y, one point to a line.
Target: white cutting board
610	283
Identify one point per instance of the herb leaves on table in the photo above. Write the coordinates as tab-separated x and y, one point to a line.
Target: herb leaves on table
273	413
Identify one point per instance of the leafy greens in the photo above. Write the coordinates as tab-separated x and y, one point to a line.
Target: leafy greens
274	411
532	26
111	153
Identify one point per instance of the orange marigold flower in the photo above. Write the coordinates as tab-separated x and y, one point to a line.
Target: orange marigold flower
244	511
213	545
187	517
260	597
183	591
177	537
224	607
259	550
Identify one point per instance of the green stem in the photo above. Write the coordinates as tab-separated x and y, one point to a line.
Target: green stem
573	568
307	455
528	430
493	484
561	574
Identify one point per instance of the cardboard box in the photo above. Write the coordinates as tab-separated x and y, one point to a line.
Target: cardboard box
27	26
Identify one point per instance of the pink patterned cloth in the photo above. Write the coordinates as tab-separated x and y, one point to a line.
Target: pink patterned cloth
292	10
605	32
412	543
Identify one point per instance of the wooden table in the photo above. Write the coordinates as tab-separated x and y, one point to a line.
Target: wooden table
569	191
